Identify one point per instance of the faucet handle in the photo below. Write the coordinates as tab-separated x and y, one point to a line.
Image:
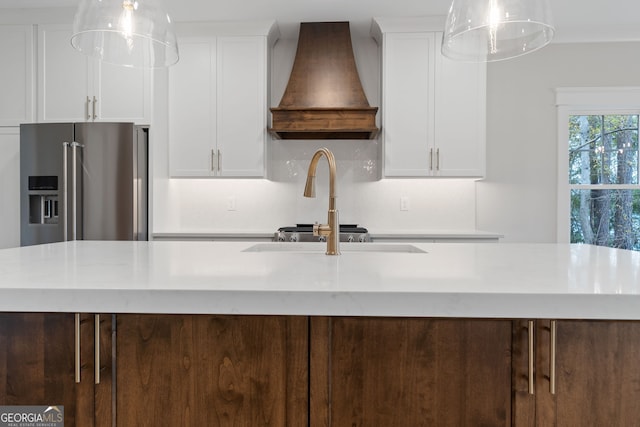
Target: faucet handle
321	229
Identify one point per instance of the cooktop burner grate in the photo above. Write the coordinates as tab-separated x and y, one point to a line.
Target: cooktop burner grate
304	233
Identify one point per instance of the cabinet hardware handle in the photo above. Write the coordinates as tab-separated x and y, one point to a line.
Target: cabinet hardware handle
430	159
438	159
96	344
213	161
77	349
219	161
531	357
95	116
552	359
87	108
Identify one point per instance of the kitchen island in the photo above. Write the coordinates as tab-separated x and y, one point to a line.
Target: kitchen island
279	334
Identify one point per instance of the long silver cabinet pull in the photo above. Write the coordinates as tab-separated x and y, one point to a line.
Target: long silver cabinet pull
213	160
114	372
552	358
95	116
430	159
531	327
88	114
219	161
77	349
96	345
438	159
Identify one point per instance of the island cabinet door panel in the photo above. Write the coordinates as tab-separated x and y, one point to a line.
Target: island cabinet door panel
590	376
396	372
38	364
206	370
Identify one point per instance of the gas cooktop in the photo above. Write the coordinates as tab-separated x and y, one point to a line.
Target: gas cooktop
304	233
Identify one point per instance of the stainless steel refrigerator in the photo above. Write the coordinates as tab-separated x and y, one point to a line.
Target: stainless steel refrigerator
83	181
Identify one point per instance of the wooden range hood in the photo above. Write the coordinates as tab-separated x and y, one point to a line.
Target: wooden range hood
324	98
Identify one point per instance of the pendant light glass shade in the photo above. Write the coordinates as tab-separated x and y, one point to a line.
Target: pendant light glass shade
133	33
493	30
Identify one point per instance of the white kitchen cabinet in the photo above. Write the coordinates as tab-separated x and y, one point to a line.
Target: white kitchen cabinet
460	133
242	105
9	187
218	107
192	109
408	103
16	74
433	109
75	87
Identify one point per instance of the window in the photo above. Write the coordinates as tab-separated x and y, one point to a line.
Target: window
599	164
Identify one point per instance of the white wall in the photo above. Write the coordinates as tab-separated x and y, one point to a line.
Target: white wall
518	196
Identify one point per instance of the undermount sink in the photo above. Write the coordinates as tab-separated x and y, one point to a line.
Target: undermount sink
319	247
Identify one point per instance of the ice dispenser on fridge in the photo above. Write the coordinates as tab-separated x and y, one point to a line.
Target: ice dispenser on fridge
43	200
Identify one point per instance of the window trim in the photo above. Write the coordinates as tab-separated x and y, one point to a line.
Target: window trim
572	101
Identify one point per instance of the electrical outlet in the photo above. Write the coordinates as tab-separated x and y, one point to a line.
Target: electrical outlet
232	203
404	203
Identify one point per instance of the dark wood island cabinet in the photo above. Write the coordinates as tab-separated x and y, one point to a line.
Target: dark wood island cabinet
38	366
587	375
297	371
398	372
158	370
207	370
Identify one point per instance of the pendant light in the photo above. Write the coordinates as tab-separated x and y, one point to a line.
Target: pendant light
493	30
133	33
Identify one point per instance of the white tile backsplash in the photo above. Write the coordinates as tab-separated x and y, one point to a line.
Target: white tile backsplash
201	205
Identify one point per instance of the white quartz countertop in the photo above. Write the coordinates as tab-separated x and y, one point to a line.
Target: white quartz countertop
495	280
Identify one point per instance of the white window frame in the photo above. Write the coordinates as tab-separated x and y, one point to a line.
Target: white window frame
572	101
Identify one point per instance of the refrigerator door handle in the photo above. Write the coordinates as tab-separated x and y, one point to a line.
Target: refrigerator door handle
65	187
74	189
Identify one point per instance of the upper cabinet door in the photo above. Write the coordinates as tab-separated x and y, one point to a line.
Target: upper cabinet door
63	77
433	109
123	94
192	106
218	107
460	132
242	103
16	74
75	87
408	103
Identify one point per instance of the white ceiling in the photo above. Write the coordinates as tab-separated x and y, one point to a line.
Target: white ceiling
575	20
